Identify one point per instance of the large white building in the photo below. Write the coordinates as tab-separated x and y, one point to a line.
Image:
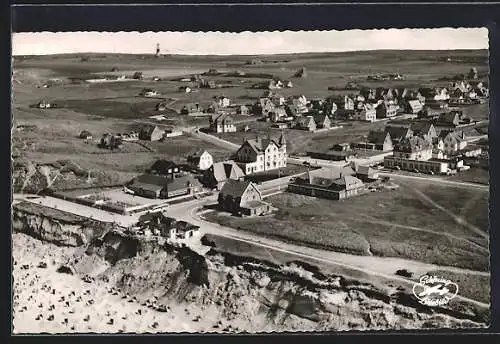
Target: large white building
257	155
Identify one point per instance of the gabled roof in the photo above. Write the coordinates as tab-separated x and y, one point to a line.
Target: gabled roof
421	127
449	117
412	144
452	134
365	170
377	136
320	118
227	170
162	166
148	129
414	103
327	175
349	182
235	188
398	133
305	121
260	144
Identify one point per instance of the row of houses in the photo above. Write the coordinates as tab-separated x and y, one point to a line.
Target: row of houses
436	146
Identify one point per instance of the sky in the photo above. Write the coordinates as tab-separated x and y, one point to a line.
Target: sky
247	43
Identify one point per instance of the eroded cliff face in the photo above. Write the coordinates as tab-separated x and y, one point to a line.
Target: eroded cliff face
60	231
257	296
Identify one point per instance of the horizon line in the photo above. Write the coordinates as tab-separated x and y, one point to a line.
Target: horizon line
273	54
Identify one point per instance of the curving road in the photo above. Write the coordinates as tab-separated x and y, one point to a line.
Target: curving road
384	267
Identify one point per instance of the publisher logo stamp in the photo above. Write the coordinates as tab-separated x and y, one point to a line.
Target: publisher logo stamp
434	291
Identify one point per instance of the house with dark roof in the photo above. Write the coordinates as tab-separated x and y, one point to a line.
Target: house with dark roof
448	121
453	142
154	186
381	139
412	106
366	174
222	123
339	152
278	114
332	183
424	129
242	198
385	110
164	167
201	160
306	123
151	133
192	109
366	112
257	155
398	132
322	121
216	176
86	135
111	141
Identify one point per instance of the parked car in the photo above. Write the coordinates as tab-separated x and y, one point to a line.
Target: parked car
404	273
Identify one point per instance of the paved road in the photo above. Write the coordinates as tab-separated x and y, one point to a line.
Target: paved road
379	266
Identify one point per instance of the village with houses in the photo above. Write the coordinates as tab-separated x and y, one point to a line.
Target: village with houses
226	151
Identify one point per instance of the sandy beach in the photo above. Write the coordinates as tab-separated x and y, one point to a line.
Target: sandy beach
46	301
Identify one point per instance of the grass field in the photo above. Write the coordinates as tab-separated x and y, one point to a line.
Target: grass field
391	223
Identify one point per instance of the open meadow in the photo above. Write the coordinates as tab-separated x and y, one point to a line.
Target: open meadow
439	225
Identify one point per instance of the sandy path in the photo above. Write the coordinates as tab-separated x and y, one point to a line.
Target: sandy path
46	301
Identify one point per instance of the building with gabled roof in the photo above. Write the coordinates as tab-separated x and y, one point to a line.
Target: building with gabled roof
242	198
201	160
398	132
329	182
306	123
164	168
222	123
322	121
424	129
154	186
216	176
257	155
150	132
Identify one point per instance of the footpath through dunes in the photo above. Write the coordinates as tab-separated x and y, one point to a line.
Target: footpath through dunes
168	290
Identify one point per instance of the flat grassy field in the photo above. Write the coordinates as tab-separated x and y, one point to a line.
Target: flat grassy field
403	223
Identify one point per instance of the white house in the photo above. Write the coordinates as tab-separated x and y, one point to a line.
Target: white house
201	160
259	154
223	101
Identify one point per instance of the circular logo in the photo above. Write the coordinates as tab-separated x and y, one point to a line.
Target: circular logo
434	291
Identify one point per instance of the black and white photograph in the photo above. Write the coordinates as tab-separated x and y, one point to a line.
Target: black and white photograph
250	182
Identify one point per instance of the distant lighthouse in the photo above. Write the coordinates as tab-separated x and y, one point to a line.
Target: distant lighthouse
157	50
